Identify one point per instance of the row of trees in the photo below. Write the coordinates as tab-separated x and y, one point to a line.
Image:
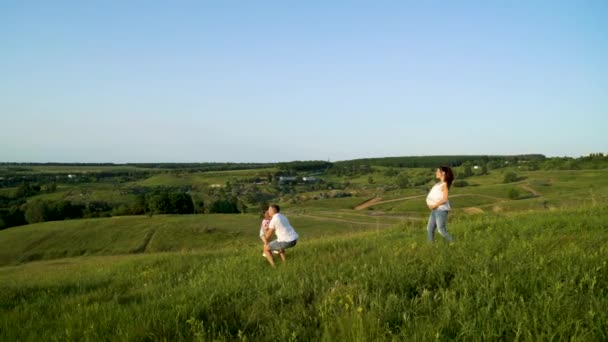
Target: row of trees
434	161
304	166
165	201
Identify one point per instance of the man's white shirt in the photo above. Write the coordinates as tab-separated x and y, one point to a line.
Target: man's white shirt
281	226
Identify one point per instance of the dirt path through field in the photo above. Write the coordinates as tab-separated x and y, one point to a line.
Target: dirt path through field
528	188
379	200
368	203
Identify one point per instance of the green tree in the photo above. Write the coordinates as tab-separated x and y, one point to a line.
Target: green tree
484	169
390	172
494	164
36	211
139	207
224	206
62	210
468	172
159	203
241	207
12	217
460	183
510	177
26	190
180	203
514	193
402	181
199	204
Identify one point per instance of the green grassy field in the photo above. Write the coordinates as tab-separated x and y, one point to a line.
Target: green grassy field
329	203
199	178
539	190
143	234
521	269
522	276
83	193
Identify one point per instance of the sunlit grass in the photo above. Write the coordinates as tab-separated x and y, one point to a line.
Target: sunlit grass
525	269
523	276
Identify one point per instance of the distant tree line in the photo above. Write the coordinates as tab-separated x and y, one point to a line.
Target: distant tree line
304	166
407	161
17	210
435	161
351	169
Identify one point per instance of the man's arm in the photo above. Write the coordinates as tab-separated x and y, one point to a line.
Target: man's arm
268	234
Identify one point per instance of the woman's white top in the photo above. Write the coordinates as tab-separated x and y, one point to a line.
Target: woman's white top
435	196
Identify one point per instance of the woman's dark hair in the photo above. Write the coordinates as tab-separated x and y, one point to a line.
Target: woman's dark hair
276	207
449	175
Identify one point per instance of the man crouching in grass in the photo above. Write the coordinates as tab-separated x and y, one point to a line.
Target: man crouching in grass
286	235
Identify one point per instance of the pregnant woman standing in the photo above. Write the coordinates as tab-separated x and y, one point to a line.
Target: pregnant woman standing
437	201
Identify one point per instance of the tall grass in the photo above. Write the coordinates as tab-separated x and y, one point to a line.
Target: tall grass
521	277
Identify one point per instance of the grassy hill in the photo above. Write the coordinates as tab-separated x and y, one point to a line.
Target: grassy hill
522	276
532	267
143	234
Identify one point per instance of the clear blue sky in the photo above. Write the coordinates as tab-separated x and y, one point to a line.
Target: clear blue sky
264	81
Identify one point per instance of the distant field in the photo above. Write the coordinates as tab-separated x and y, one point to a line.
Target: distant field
329	204
7	191
364	217
410	206
169	179
555	189
498	191
83	193
210	178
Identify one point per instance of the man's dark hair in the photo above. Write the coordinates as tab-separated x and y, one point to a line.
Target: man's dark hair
276	207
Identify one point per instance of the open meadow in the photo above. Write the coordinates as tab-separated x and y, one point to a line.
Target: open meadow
526	267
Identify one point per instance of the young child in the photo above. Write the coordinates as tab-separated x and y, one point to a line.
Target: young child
438	203
264	228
